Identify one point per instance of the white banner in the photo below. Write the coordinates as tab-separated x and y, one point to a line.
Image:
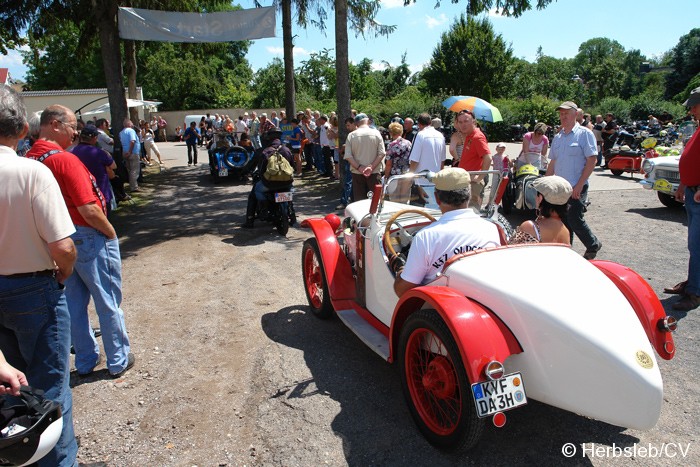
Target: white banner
168	26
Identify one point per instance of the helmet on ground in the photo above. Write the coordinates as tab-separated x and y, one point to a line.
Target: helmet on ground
30	427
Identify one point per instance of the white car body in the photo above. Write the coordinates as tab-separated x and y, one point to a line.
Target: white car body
662	175
589	353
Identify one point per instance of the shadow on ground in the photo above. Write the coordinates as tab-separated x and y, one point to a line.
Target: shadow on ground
184	202
375	424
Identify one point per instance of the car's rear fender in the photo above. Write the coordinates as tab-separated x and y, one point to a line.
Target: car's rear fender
480	335
341	284
644	302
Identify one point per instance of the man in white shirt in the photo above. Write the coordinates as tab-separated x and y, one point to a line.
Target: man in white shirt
459	230
428	151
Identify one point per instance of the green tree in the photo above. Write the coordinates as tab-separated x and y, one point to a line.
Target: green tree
268	84
600	63
469	57
316	76
685	61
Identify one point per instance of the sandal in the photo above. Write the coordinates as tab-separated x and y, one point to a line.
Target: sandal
678	289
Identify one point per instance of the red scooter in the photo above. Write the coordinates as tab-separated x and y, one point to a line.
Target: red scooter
624	159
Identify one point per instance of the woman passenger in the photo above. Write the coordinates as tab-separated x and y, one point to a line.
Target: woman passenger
553	193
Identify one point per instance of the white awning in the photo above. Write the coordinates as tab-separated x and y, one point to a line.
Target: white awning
104	108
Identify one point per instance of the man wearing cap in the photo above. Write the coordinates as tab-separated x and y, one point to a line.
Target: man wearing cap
459	230
37	257
573	157
98	162
364	151
428	150
98	270
689	192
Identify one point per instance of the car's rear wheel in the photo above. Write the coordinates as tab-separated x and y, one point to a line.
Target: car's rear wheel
315	280
668	200
435	383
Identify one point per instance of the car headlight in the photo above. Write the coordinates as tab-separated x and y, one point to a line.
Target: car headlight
647	166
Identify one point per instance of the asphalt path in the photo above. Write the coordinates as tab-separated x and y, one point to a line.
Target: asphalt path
316	395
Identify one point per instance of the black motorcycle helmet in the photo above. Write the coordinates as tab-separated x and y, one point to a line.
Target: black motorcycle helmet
272	134
31	426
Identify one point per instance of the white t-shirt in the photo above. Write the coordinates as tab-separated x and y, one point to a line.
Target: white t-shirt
33	214
323	135
428	150
241	127
456	232
104	141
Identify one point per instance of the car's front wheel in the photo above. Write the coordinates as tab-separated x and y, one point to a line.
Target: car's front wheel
315	280
435	383
668	200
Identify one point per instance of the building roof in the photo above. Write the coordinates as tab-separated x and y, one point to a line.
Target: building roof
67	92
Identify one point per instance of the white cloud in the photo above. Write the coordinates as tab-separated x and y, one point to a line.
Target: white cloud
388	4
298	51
434	22
416	68
13	58
379	66
494	13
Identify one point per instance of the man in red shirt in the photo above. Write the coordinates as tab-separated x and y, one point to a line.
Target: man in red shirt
97	272
476	155
689	192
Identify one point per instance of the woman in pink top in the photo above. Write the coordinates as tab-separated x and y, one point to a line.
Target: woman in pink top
535	142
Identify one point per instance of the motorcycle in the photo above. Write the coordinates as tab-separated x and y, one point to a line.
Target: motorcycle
227	159
625	159
278	208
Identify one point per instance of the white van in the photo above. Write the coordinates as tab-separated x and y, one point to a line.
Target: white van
192	118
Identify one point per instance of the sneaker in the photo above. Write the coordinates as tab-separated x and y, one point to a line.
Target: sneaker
130	360
687	303
99	360
593	251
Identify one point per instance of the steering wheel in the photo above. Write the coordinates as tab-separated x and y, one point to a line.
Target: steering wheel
403	234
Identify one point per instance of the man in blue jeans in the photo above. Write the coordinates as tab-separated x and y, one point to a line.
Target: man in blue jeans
573	156
37	257
689	192
98	270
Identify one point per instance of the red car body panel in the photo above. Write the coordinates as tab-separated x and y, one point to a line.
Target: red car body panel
645	303
341	284
480	335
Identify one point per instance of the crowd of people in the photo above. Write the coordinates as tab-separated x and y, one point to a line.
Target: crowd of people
58	241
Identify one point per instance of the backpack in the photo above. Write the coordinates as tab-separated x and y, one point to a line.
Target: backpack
278	168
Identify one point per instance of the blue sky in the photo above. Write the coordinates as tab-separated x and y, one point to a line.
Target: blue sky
651	26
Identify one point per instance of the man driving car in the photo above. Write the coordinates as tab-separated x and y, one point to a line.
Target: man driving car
459	230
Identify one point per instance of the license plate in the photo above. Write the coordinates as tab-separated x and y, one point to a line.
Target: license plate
499	395
223	172
282	197
663	185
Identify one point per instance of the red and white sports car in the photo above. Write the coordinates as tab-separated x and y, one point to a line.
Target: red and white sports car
478	340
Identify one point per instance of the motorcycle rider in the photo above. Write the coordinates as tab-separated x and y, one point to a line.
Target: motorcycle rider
271	143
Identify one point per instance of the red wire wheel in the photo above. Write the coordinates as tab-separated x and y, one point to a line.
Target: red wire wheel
435	384
315	280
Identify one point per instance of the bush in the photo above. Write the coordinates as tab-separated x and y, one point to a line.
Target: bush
618	107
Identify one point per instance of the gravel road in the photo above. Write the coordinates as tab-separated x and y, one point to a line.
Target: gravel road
233	370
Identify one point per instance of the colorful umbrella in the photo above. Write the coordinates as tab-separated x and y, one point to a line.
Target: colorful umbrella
482	109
